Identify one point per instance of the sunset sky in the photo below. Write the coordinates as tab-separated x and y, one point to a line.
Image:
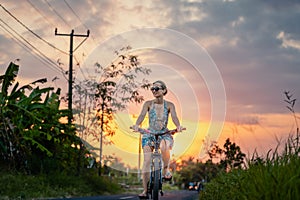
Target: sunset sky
226	62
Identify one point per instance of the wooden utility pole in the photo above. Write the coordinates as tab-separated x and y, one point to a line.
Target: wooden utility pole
71	35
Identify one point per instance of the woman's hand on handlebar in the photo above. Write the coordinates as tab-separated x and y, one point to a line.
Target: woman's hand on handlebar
180	128
135	128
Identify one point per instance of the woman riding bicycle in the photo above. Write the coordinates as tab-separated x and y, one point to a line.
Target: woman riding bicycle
158	112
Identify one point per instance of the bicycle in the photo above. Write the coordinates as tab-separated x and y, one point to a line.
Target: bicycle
156	179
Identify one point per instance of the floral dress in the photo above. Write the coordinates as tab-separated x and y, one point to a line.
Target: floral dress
158	115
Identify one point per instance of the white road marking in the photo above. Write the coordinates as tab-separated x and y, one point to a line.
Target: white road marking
130	197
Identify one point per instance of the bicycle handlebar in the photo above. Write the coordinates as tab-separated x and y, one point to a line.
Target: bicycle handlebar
146	131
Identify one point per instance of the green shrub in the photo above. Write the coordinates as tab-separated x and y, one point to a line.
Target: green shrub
275	177
19	186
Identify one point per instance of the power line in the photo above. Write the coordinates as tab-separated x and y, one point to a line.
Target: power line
80	69
52	9
79	19
37	10
74	13
77	16
45	17
42	57
21	44
33	47
45	59
39	37
68	5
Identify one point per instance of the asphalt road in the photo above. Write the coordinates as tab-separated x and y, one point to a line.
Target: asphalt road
169	195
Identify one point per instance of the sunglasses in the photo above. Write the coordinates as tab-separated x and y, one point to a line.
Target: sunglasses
155	89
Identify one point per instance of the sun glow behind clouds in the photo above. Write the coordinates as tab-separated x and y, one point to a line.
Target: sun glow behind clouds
126	143
271	132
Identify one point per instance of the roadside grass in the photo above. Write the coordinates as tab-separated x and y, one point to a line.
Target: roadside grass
274	177
21	186
42	186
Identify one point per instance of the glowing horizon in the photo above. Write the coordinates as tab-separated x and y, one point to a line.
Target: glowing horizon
193	141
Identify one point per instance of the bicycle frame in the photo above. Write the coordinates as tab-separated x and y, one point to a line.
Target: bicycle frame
156	180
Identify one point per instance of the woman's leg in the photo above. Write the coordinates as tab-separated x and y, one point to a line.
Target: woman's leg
165	146
146	167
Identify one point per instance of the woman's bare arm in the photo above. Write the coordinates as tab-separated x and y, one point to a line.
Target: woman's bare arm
174	116
143	113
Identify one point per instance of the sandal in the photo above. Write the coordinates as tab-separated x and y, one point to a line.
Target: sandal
168	176
143	196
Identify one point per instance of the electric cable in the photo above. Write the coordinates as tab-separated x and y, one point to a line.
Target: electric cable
42	57
52	9
39	37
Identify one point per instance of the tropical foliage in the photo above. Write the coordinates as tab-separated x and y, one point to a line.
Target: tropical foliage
228	158
276	176
33	137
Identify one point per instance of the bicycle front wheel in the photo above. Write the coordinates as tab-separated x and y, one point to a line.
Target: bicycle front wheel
156	181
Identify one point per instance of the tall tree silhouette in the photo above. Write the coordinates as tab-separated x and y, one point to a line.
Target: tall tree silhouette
96	100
